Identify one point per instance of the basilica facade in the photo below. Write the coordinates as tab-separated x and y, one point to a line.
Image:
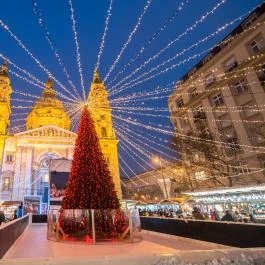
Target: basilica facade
25	156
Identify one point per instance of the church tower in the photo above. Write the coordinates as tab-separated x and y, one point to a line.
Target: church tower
48	110
101	113
5	109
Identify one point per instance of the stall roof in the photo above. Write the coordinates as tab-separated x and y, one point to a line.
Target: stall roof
140	203
7	203
166	201
228	191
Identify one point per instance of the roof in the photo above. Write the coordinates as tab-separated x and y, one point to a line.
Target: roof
228	191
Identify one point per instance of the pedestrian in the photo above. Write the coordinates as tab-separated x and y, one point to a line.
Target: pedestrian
212	216
216	215
237	217
2	217
252	218
227	217
15	215
20	210
196	214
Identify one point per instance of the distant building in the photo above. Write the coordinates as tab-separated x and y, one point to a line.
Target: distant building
25	156
222	98
156	185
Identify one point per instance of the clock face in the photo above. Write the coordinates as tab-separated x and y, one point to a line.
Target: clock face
102	117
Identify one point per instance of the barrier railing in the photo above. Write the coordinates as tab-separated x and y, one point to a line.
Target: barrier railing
91	226
226	233
10	232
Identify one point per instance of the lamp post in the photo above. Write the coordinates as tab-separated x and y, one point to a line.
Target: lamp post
158	160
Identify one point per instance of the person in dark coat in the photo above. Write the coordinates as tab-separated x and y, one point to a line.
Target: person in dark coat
20	210
15	215
196	214
2	217
227	217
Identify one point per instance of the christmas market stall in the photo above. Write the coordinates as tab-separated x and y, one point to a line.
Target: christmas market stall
243	200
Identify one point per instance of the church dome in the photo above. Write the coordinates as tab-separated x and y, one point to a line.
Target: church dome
48	110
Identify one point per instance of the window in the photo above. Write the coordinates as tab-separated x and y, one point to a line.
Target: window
257	44
192	71
103	132
209	80
230	64
184	121
240	86
243	167
207	58
193	92
261	75
262	162
200	176
198	113
9	158
179	102
6	184
218	100
232	142
249	21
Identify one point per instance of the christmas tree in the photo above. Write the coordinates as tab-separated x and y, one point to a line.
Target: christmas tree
90	185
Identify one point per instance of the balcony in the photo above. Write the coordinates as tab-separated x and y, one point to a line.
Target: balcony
200	115
209	83
229	68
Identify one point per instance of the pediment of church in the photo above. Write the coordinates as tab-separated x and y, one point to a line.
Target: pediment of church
47	131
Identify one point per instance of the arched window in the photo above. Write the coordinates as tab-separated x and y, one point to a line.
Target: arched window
103	132
6	183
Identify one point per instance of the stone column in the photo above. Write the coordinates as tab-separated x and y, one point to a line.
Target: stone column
16	184
211	119
257	89
239	126
28	170
69	152
22	177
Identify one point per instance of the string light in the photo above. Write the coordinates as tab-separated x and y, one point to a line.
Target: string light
152	143
122	169
193	138
102	44
51	44
155	143
125	45
37	61
37	85
197	22
149	42
24	78
196	44
123	123
22	70
144	96
186	60
126	164
77	49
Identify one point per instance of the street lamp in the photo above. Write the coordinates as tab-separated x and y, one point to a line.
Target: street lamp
158	160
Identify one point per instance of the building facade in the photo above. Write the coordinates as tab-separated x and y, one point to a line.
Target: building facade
220	102
158	184
25	155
